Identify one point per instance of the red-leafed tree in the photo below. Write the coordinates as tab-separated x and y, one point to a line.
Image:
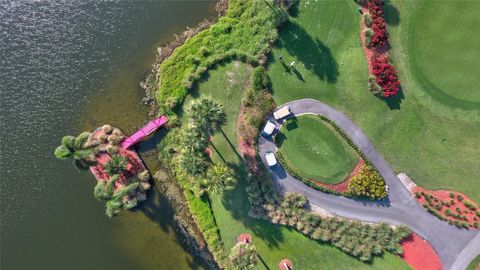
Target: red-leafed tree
385	75
380	34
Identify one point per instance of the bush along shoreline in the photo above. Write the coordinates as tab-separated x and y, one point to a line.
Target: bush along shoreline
383	80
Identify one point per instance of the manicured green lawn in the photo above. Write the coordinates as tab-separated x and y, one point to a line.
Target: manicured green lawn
436	150
444	49
314	150
474	264
231	212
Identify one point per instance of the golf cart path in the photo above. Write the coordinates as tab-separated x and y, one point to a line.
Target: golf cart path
455	247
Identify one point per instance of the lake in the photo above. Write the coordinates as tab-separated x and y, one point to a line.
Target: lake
69	66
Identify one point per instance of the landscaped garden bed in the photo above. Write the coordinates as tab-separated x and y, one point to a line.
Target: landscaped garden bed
383	80
453	207
122	179
419	254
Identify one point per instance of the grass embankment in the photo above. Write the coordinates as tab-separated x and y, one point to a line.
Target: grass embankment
323	38
313	150
244	33
475	264
273	242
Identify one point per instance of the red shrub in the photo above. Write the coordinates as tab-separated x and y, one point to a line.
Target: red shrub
385	75
380	34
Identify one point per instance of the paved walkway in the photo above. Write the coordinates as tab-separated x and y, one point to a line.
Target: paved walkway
456	247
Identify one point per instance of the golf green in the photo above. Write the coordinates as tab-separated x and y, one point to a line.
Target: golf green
444	50
312	148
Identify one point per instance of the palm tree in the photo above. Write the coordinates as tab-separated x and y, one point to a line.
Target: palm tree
207	115
220	178
75	147
244	256
115	165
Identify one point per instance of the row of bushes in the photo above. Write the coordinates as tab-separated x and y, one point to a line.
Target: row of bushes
245	32
195	195
257	102
455	217
363	241
384	80
377	23
385	75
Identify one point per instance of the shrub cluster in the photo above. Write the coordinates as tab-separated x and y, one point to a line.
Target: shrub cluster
116	165
357	239
379	27
442	209
124	197
385	76
367	183
244	256
197	199
257	103
245	33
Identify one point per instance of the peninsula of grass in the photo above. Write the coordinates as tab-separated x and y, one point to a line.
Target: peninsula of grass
323	38
245	33
314	150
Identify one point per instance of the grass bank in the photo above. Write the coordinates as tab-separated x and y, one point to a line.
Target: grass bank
323	38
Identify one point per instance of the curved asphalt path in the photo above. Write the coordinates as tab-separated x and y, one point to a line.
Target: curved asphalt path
456	247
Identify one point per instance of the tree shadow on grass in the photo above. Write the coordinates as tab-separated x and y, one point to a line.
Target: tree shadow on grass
312	52
392	15
394	103
236	202
293	10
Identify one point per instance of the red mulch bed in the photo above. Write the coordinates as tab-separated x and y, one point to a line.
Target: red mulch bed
343	186
419	254
444	195
134	165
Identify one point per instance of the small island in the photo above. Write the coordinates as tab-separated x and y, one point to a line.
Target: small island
122	179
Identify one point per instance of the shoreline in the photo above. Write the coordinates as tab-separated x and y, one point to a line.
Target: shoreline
150	81
183	221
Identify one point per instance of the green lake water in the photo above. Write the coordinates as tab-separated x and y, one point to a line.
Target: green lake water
65	67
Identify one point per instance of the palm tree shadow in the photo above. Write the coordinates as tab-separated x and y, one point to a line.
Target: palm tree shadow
312	52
